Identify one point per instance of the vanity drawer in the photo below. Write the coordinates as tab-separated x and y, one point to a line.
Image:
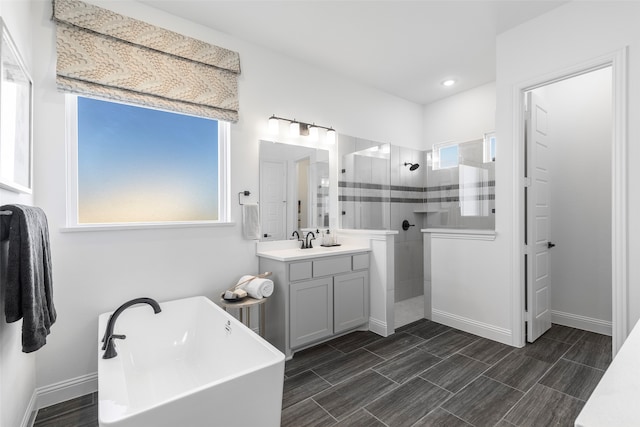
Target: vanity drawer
300	271
329	266
361	261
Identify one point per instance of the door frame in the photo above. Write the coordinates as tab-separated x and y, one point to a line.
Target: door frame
617	60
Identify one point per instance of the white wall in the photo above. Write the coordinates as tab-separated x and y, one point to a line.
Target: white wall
17	369
94	272
462	270
462	117
566	37
580	172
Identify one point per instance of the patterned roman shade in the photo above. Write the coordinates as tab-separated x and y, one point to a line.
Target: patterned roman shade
108	55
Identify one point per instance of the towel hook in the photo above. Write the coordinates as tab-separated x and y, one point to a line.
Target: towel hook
243	193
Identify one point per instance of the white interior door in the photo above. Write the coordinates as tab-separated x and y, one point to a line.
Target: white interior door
538	211
273	199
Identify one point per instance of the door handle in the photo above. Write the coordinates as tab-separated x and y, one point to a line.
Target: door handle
550	245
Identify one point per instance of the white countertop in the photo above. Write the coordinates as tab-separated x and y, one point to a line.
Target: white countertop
295	254
615	399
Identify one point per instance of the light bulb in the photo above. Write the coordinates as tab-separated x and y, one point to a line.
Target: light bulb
294	129
274	125
449	82
313	133
331	136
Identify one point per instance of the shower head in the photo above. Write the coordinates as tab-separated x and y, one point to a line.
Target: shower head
413	166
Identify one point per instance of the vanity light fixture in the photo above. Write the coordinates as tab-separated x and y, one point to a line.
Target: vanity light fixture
298	128
331	136
294	129
314	132
274	125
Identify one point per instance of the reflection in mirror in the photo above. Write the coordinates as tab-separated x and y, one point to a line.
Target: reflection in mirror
294	189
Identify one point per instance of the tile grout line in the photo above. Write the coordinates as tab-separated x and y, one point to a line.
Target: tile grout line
561	392
582	364
365	410
440	407
322	407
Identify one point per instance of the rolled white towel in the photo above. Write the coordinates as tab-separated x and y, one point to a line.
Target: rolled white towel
257	288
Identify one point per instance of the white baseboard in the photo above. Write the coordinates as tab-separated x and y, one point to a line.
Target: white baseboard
379	327
581	322
485	330
66	390
30	414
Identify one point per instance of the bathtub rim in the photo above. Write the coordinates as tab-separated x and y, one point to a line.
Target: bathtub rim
277	358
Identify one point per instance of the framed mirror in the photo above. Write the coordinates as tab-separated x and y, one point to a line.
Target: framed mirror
294	189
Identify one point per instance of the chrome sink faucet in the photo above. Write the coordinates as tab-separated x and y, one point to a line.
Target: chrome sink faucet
109	336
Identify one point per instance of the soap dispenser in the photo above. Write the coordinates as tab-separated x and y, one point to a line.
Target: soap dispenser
328	239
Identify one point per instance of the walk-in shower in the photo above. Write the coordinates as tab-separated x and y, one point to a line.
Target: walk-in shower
382	187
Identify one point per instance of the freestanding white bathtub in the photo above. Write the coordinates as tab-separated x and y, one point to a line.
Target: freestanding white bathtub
192	365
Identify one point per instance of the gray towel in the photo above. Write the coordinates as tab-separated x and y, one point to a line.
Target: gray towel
29	291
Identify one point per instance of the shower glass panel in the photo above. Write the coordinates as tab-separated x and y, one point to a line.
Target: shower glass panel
363	183
462	195
380	187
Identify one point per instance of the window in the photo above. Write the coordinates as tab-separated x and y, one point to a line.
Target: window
135	165
445	156
489	147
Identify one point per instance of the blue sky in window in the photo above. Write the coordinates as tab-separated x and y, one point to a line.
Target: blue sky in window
449	156
142	165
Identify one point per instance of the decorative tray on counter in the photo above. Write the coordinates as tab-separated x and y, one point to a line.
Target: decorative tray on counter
331	246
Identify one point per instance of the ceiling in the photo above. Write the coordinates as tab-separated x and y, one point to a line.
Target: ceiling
405	48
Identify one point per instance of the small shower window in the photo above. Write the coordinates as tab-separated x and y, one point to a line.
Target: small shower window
489	147
136	165
445	156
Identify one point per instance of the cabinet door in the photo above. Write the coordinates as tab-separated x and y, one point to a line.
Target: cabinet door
311	307
351	300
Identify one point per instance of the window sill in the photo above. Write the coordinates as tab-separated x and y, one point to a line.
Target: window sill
462	234
145	226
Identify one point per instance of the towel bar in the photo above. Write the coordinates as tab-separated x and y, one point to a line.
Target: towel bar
243	193
6	213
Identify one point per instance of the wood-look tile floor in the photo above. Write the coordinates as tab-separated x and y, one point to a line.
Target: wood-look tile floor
426	374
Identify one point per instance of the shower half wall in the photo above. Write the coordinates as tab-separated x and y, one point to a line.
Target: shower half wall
377	191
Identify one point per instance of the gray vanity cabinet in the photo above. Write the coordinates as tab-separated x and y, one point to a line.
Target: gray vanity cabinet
350	301
316	299
311	306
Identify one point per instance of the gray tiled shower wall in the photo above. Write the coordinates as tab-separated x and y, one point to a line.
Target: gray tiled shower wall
450	203
377	192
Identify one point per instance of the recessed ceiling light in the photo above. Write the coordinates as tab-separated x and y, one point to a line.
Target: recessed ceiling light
448	82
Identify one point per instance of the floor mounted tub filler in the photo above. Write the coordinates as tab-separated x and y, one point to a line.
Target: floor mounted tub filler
192	364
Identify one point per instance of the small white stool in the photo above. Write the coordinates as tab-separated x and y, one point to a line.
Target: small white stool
247	303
